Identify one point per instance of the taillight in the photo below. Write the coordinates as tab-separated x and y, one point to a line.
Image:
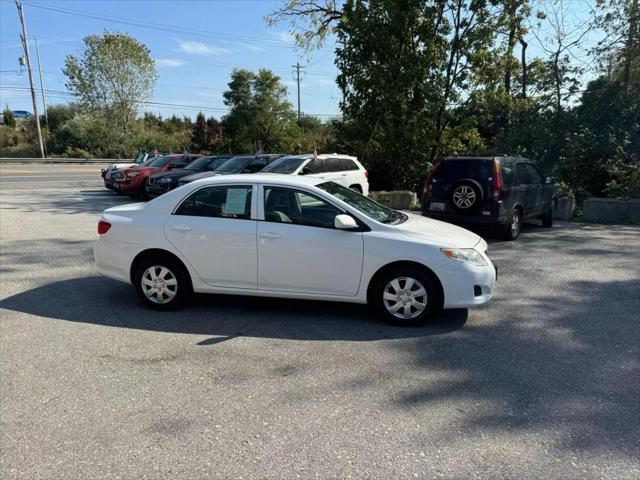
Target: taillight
103	227
366	174
427	182
497	186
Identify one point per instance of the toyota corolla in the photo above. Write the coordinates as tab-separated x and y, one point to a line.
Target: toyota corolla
294	237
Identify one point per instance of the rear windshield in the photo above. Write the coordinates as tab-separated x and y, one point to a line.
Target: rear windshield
452	170
284	165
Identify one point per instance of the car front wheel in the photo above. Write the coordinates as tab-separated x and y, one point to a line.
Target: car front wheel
514	225
162	284
405	296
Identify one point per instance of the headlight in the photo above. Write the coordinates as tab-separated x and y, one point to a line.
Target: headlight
468	255
133	174
165	180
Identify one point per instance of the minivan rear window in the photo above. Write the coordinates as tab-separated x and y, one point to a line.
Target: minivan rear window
452	170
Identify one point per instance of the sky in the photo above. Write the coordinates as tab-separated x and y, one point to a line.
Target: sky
195	43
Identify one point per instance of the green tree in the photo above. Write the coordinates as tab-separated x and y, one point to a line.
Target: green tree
113	76
260	114
200	134
8	118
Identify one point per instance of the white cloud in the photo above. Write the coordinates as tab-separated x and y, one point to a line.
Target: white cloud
169	62
199	48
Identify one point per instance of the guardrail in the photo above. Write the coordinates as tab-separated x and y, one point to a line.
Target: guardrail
4	160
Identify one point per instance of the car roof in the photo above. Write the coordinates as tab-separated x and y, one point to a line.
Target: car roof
271	178
487	157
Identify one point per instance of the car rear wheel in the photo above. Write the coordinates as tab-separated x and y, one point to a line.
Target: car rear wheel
162	284
405	296
514	225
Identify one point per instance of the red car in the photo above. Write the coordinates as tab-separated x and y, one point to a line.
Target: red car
131	180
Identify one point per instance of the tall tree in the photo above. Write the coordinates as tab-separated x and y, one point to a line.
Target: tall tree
114	74
260	115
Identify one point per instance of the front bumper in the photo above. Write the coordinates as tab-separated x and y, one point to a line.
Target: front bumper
158	189
129	185
467	285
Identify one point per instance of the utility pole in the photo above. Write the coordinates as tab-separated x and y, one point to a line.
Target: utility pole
44	102
297	73
25	45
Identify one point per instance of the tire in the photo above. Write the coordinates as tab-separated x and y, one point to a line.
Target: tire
393	285
466	196
356	188
514	225
168	298
547	218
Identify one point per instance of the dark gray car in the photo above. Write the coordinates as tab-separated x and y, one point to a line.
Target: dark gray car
492	191
237	164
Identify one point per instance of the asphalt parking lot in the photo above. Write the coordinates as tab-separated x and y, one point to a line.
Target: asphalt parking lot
542	382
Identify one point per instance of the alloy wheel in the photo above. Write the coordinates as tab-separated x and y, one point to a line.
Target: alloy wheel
405	298
159	284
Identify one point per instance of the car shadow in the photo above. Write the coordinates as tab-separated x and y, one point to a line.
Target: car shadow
101	301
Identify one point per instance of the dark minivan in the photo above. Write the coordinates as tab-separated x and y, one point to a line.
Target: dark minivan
491	191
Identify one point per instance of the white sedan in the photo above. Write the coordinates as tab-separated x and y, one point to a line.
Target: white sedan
295	237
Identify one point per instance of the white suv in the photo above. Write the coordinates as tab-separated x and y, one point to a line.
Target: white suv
342	169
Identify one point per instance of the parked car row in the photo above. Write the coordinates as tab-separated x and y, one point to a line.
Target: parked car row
150	177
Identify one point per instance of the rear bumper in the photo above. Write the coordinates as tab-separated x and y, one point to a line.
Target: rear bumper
468	220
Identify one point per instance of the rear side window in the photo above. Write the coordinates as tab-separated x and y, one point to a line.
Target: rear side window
507	173
453	170
332	165
523	174
534	174
219	202
348	164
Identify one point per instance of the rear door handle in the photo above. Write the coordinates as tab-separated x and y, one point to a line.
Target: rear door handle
181	228
270	235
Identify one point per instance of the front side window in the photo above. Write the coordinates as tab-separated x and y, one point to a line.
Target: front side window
313	167
219	202
255	165
286	205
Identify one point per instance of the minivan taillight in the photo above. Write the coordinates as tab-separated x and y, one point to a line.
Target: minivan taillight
429	180
496	186
103	227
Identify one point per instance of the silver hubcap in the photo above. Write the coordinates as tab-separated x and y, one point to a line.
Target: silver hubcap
464	196
515	223
405	298
159	284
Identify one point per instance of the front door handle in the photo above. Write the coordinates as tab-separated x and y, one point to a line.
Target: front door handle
181	228
270	235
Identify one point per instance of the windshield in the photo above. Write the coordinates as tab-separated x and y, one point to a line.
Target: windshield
160	161
363	204
284	165
148	162
235	164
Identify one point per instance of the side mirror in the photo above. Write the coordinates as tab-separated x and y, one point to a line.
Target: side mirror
549	180
305	171
345	222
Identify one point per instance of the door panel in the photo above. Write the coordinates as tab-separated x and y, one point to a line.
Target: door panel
300	251
213	230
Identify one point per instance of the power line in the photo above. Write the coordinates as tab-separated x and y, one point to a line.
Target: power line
165	27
